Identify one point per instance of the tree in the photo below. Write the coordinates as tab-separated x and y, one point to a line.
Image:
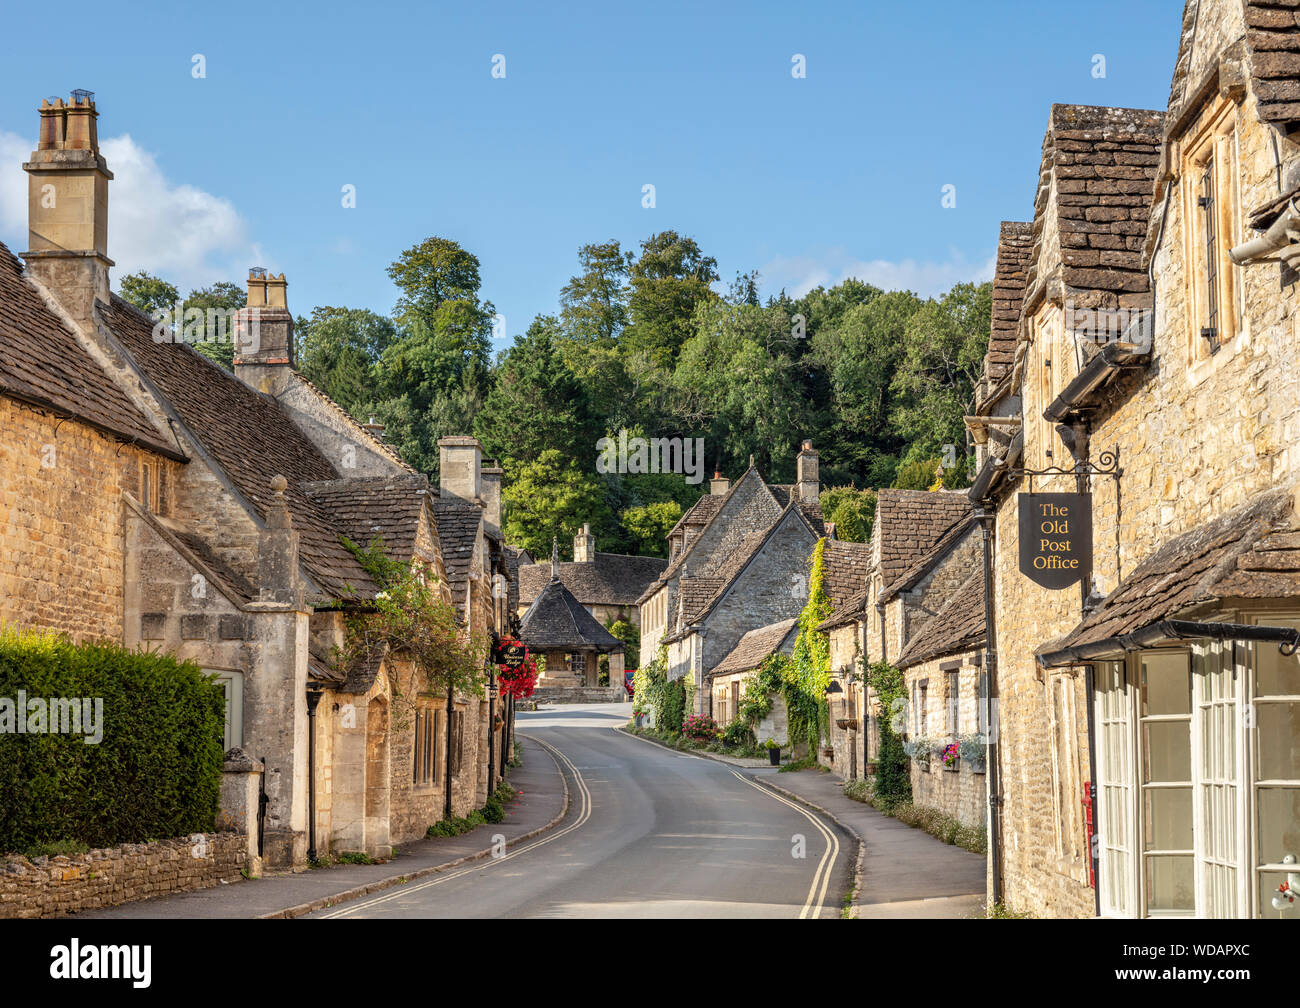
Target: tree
631	638
669	279
338	348
943	353
646	527
225	297
551	498
594	313
738	384
151	294
536	403
853	512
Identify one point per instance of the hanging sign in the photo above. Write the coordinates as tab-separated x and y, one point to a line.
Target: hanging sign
1055	538
512	654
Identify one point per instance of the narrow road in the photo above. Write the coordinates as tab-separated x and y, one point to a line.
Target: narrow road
650	833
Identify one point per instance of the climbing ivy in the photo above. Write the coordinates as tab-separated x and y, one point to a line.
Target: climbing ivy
893	781
808	672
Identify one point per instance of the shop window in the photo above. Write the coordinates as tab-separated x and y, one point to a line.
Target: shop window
426	746
952	700
1115	786
457	740
1276	756
1165	723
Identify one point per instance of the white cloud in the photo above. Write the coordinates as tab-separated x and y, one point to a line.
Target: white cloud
800	274
179	232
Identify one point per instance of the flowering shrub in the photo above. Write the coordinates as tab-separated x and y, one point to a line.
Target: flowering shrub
700	728
520	682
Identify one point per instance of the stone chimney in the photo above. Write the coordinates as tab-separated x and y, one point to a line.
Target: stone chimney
374	428
490	490
67	208
264	334
277	551
807	478
584	545
460	467
719	485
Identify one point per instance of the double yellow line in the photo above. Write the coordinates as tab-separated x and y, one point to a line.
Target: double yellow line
812	907
584	813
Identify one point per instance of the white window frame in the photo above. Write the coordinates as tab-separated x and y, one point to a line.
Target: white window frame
1117	790
1256	863
232	685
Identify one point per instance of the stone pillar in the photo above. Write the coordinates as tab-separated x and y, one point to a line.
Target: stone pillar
241	788
616	676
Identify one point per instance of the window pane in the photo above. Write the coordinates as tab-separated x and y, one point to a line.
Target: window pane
1268	883
1279	741
1168	814
1274	672
1167	751
1166	684
1279	824
1169	883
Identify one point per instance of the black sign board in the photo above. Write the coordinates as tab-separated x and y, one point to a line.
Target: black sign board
1055	538
512	655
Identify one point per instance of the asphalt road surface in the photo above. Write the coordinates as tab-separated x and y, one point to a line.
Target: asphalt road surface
649	833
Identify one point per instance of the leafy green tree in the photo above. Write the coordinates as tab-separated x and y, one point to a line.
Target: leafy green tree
646	527
551	497
149	293
738	384
669	279
631	638
594	313
943	352
853	511
536	403
225	297
919	475
338	348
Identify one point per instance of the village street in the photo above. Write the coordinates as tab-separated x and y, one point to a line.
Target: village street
650	833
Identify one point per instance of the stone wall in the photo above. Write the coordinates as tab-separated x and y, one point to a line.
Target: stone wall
960	791
61	538
57	886
577	694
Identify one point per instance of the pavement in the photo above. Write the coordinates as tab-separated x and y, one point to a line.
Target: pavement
543	800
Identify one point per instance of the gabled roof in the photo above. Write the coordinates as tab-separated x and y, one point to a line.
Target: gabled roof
557	621
910	522
43	363
249	436
1252	551
958	626
751	650
846	566
1273	37
731	569
1015	245
1099	165
926	562
609	579
375	442
458	528
384	507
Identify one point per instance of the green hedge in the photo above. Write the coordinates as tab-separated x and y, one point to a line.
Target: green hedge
156	772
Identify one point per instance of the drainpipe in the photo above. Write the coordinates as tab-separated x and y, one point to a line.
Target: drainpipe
987	518
446	765
313	701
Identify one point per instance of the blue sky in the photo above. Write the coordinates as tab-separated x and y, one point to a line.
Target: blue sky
808	180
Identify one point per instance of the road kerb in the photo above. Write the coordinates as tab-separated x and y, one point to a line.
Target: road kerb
394	880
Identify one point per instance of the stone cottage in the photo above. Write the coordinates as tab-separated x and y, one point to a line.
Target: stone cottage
1146	762
919	542
152	498
737	560
570	639
606	584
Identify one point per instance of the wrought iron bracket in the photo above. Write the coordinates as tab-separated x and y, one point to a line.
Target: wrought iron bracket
1107	465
